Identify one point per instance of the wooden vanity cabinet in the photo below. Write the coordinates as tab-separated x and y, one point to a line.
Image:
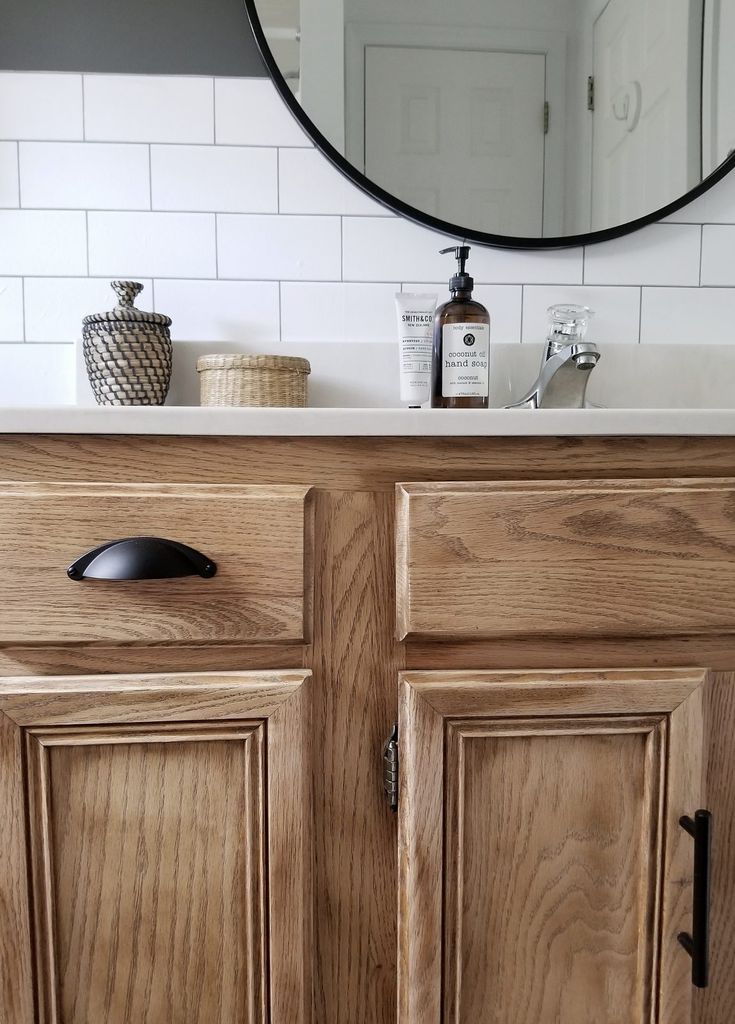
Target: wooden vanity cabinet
191	792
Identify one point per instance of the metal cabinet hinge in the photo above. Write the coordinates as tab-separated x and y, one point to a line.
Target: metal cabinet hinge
390	768
547	117
591	92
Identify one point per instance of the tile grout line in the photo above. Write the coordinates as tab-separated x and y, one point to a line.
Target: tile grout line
366	282
640	315
150	176
208	212
84	111
169	142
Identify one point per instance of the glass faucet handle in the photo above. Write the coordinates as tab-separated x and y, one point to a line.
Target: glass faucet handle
568	324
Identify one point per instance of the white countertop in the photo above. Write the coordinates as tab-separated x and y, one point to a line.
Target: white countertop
192	421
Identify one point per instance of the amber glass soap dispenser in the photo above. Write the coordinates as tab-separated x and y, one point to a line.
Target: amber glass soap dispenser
460	369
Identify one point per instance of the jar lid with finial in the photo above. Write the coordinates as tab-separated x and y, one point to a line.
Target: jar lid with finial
125	311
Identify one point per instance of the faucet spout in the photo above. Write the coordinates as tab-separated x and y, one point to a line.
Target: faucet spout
562	382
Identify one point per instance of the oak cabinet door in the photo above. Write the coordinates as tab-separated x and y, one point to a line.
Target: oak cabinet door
158	849
544	875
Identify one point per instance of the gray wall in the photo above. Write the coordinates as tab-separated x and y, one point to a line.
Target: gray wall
188	37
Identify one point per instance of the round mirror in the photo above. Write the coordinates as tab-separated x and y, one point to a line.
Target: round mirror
517	123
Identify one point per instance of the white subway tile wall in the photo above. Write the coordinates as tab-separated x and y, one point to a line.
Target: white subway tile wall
224	179
208	192
84	176
148	108
9	190
41	106
11	308
221	310
152	244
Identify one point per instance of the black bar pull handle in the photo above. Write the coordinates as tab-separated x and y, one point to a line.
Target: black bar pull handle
141	558
697	944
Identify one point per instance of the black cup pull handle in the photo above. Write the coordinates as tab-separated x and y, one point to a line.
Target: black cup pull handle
697	944
141	558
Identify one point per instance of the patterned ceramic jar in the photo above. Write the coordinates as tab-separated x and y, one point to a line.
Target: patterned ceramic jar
127	352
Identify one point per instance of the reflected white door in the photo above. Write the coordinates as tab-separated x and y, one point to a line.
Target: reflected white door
647	129
459	134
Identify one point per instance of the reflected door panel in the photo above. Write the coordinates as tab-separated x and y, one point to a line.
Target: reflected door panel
646	127
459	134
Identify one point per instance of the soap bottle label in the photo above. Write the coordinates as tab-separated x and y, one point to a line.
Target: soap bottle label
465	360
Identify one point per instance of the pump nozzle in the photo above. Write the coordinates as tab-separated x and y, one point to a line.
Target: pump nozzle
461	280
461	255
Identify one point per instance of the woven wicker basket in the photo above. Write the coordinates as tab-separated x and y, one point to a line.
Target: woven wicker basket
253	380
128	352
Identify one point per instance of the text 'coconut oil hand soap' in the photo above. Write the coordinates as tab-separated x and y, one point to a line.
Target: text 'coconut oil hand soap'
461	358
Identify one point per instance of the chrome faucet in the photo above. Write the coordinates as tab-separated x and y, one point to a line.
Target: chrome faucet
567	362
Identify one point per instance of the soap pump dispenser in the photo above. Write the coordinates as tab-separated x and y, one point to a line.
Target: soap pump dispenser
460	370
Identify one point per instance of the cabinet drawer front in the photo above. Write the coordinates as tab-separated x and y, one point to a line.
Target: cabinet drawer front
259	539
585	558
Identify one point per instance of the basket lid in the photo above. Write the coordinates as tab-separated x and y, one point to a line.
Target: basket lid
125	311
240	361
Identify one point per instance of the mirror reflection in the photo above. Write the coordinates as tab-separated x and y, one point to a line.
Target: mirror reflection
530	118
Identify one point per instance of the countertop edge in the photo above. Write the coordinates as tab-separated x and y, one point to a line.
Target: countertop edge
222	422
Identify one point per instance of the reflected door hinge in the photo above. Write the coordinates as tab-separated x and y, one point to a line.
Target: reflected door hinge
390	768
591	92
547	117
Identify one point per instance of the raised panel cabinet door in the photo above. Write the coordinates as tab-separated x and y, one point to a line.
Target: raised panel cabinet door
156	862
544	874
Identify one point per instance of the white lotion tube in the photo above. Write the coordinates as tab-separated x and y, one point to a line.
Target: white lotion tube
415	341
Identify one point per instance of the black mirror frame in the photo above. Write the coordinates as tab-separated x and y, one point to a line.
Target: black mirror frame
444	227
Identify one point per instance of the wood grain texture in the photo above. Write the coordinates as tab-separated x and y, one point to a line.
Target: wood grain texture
545	833
356	661
550	877
366	464
715	1004
686	793
291	860
355	664
77	700
159	891
571	653
131	659
420	858
150	865
256	535
16	966
622	558
512	694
